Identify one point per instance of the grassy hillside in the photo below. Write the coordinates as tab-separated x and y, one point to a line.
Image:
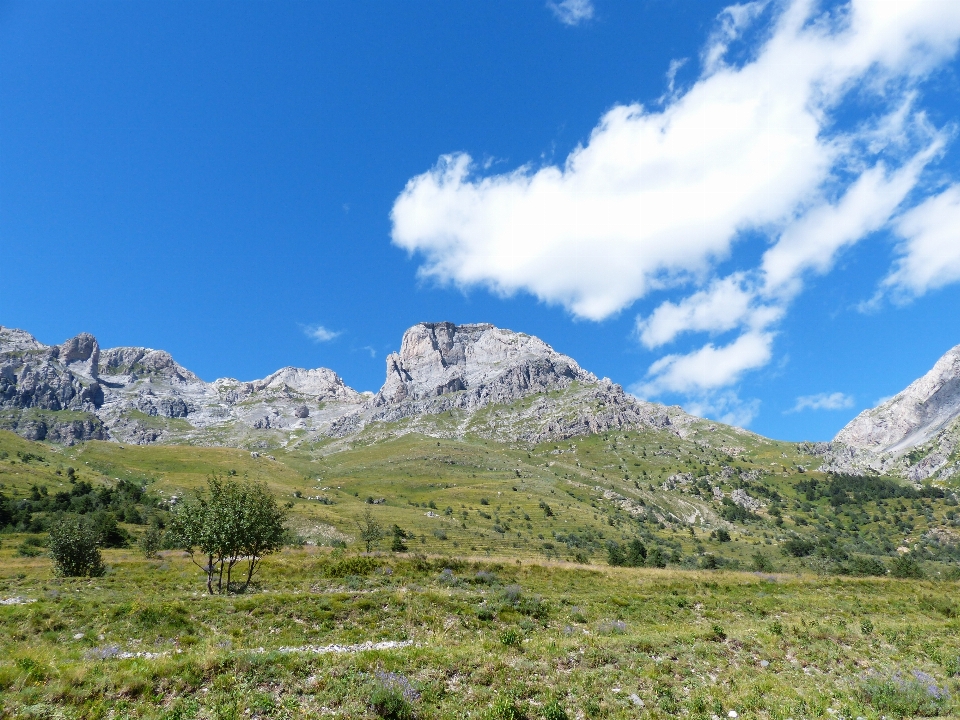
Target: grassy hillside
477	497
488	639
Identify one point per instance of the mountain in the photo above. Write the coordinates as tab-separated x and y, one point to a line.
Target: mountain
916	433
447	381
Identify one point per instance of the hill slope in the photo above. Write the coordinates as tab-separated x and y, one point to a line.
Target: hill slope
916	433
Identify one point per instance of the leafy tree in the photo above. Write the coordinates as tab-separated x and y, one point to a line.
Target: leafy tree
722	535
151	541
237	522
656	558
74	547
399	535
371	531
615	554
636	553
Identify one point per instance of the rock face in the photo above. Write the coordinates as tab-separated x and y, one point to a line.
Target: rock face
462	370
494	365
76	391
916	432
446	380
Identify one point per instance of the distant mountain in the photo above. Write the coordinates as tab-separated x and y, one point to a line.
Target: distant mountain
916	433
447	380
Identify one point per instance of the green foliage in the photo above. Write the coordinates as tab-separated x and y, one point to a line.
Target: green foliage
760	562
511	637
904	695
865	565
74	547
151	541
905	566
554	710
797	547
392	697
238	522
722	535
656	558
371	531
615	554
507	707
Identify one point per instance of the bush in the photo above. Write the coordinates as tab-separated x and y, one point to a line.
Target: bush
511	637
797	547
74	547
615	554
151	542
553	710
656	558
636	553
722	535
761	563
905	566
866	565
392	696
904	695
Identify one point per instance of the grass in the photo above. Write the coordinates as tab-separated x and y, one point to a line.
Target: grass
504	605
488	639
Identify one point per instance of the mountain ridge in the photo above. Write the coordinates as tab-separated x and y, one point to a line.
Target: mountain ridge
140	395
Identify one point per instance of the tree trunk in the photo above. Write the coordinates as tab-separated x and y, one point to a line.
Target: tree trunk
210	574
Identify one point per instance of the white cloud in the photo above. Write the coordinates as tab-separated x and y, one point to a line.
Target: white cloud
724	406
823	401
709	367
656	199
319	333
572	12
930	251
725	305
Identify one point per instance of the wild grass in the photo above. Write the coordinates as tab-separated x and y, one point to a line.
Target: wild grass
488	638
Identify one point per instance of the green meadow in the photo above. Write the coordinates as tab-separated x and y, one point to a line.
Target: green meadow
832	598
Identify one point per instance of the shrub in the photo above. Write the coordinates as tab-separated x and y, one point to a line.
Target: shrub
507	707
866	565
904	695
636	553
553	710
511	637
656	558
392	696
761	563
723	535
615	554
905	566
74	547
151	541
797	547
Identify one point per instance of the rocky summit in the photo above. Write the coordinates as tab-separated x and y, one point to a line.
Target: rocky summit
446	380
915	433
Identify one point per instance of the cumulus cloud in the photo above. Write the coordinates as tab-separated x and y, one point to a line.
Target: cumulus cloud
319	333
572	12
656	199
930	251
709	367
823	401
725	406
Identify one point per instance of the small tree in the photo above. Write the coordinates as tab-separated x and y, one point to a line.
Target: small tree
371	531
399	535
615	554
151	541
636	553
237	522
74	547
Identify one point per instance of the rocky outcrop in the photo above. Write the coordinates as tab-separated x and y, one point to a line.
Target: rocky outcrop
446	380
443	368
141	395
915	433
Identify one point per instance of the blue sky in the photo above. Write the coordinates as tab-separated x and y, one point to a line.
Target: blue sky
749	210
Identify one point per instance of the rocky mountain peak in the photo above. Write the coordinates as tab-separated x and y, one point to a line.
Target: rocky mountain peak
914	415
81	354
440	358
